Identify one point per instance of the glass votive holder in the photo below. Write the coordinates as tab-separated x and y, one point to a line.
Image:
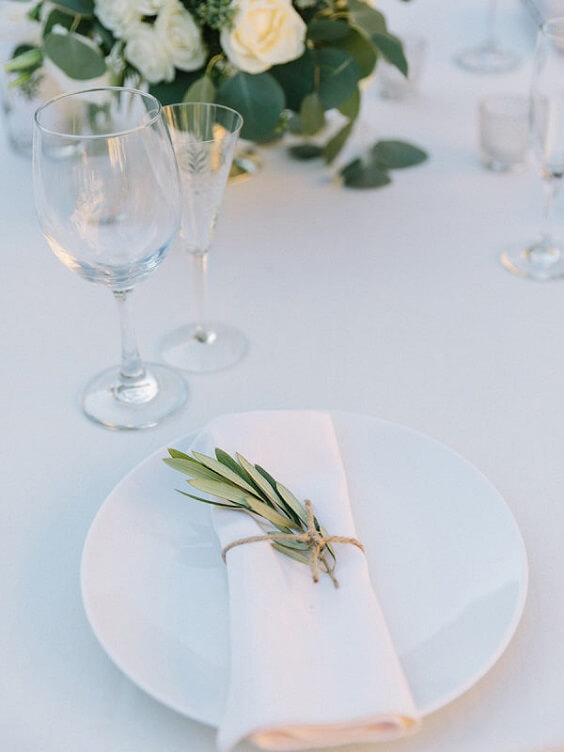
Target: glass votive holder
503	121
391	83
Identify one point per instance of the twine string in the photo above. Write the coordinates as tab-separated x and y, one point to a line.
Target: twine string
316	541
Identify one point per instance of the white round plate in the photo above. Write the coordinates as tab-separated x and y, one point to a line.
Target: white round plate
445	554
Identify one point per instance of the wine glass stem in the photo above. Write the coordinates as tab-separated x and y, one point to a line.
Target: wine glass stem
132	367
201	294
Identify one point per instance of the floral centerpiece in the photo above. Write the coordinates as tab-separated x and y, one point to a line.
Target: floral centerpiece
282	64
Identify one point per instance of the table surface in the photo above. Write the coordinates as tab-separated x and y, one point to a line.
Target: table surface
391	303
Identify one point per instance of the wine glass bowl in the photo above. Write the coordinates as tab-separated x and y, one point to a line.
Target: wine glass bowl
107	197
204	137
543	259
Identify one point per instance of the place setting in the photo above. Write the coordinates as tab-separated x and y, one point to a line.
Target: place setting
292	576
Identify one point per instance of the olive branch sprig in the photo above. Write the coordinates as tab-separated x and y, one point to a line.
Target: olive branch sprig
240	485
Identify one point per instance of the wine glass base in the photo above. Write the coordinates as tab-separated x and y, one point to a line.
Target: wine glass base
162	393
192	349
487	60
540	264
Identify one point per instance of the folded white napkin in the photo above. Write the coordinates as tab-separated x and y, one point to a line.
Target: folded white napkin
311	665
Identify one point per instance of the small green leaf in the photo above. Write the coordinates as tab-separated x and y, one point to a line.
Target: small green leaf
391	48
357	174
73	56
80	7
30	59
173	92
221	490
292	502
338	76
312	114
351	107
395	155
202	90
260	100
296	78
207	501
224	471
334	145
305	151
361	48
269	493
327	30
189	467
263	510
366	18
292	553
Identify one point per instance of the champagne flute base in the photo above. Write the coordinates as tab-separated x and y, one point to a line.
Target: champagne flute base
110	401
198	350
487	60
539	261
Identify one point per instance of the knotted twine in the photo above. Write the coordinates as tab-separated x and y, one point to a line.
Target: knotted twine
316	541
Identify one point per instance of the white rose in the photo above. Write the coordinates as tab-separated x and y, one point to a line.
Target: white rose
118	15
265	33
146	51
150	7
181	36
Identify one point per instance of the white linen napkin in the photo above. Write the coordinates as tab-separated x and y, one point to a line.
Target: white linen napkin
311	665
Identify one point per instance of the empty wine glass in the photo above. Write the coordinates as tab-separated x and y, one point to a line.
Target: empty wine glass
204	137
489	56
544	258
107	195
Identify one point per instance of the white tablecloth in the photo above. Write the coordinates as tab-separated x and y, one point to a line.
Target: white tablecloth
391	303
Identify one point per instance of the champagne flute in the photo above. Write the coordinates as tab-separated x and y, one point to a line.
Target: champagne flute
544	258
204	137
489	56
107	196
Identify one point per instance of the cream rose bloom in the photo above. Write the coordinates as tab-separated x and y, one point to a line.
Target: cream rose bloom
265	33
118	15
147	52
181	36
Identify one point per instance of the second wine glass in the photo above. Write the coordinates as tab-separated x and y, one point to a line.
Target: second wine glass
204	137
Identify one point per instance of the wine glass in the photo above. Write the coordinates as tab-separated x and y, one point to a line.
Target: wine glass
107	196
204	137
489	56
544	258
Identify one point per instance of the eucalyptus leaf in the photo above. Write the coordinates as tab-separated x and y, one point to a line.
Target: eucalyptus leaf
396	155
202	90
78	59
174	91
358	174
312	114
327	30
361	48
80	7
334	145
260	100
338	76
366	18
392	49
296	78
351	107
305	151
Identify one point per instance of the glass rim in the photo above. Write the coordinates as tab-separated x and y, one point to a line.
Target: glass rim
224	107
553	27
93	136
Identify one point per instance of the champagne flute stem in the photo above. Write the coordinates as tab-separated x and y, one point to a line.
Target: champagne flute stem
201	295
131	365
551	187
491	39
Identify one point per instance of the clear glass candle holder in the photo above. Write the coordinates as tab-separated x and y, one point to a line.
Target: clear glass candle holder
504	131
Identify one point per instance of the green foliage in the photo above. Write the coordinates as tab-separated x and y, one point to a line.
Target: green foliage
202	90
338	76
297	79
76	58
312	114
175	91
236	483
260	100
391	48
80	7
